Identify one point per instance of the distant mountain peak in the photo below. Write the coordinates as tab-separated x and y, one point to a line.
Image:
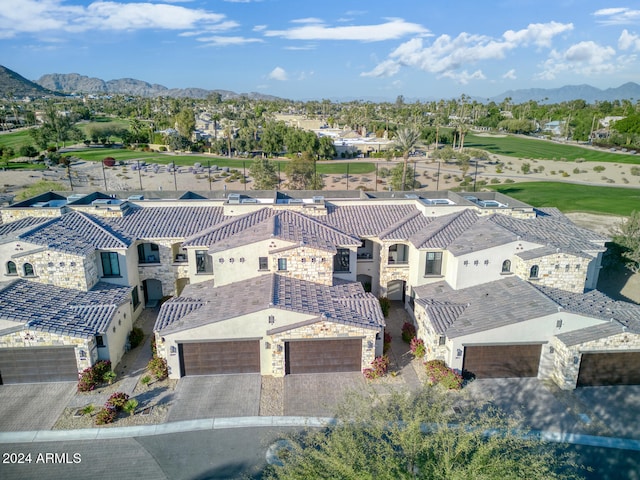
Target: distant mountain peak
566	93
13	84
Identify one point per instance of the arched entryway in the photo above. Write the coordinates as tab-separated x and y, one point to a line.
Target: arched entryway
152	289
396	290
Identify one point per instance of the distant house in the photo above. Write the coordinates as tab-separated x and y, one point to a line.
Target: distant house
556	127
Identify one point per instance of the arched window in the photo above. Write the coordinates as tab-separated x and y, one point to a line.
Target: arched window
533	273
28	270
506	266
11	268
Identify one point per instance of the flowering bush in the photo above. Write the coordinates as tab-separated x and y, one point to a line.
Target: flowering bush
439	373
408	331
378	368
158	368
387	342
91	377
117	401
105	415
417	347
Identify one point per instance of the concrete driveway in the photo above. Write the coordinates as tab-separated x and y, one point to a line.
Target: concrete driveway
529	397
318	394
33	406
617	407
212	396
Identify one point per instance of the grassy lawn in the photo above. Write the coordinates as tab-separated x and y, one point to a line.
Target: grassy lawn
97	154
540	149
23	165
570	197
16	139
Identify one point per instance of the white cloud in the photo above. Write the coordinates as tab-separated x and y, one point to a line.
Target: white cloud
391	30
44	16
220	41
279	74
307	20
259	28
510	75
629	41
446	55
539	34
585	58
301	47
617	16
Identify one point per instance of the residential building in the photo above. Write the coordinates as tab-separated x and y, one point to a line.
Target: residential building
281	283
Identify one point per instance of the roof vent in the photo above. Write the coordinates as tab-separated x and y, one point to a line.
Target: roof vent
233	198
318	199
295	201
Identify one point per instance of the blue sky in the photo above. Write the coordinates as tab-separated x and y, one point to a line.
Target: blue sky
329	49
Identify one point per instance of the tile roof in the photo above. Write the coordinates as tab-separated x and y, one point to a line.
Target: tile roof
13	229
481	235
589	334
268	223
596	304
64	311
77	233
202	303
168	222
545	230
366	220
488	306
405	227
443	231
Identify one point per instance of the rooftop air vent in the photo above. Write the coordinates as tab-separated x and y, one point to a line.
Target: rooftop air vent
295	201
318	199
233	198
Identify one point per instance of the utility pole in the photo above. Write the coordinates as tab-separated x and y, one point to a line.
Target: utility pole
104	177
438	177
139	175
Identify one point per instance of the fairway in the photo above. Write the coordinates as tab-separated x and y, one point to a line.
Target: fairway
97	154
569	197
520	147
16	139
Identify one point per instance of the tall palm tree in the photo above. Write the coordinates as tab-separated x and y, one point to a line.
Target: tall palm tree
406	140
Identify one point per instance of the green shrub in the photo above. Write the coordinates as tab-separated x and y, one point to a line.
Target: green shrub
109	377
408	331
130	406
88	409
146	380
158	368
135	337
417	347
598	168
105	416
635	171
439	374
385	305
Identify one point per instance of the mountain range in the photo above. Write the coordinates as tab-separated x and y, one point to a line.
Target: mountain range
13	84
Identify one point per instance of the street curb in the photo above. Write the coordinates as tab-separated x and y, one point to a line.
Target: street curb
254	422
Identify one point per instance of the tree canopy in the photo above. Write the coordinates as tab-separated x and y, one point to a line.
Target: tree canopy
419	436
627	236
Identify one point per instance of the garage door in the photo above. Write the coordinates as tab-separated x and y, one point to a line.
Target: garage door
620	368
38	364
322	356
502	361
211	358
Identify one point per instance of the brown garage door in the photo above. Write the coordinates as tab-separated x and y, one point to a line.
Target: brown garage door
211	358
502	361
321	356
38	364
620	368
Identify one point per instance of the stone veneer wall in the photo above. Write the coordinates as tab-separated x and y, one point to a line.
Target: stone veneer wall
11	215
326	330
60	269
305	263
167	271
507	211
389	273
34	338
571	280
565	371
428	335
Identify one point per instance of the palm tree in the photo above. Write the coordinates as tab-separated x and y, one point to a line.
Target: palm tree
406	140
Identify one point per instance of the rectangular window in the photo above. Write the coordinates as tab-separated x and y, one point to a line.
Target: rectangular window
263	263
135	297
110	265
282	264
203	262
442	340
99	341
341	260
434	263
